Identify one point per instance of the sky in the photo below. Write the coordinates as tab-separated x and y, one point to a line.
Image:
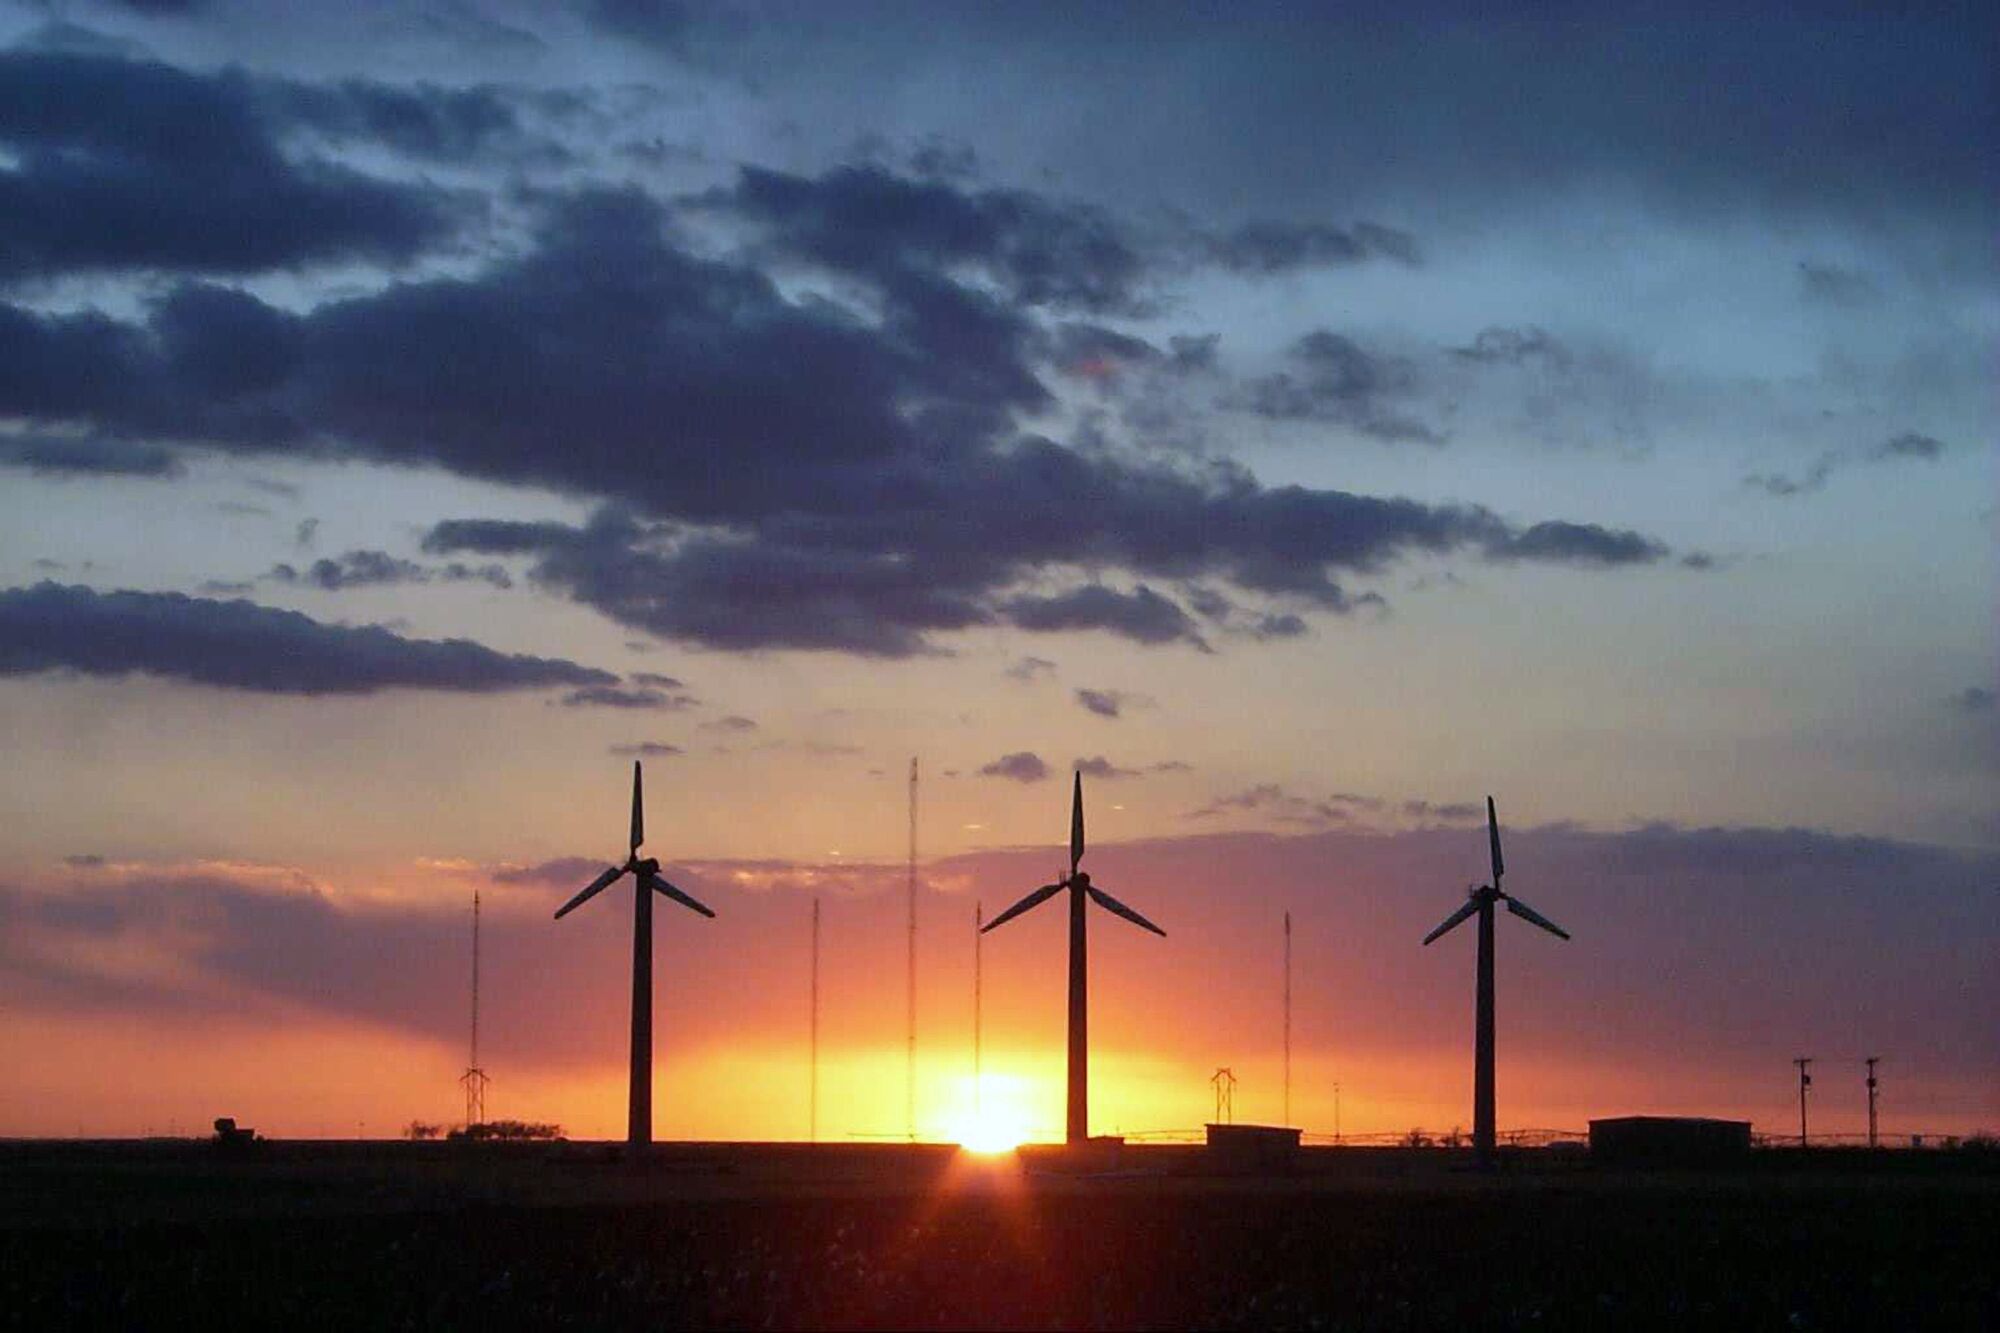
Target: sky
1304	424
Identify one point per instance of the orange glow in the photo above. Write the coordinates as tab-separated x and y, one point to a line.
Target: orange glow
997	1119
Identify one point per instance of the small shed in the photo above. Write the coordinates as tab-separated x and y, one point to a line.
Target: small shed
1252	1147
1662	1138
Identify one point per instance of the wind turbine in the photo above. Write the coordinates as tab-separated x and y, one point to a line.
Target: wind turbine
639	1119
1481	900
1080	888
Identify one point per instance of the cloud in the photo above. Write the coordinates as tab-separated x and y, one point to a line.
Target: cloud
1265	248
1907	445
875	497
1453	812
89	456
1030	668
1021	766
654	680
1142	615
130	165
1910	444
240	645
1973	699
365	569
648	750
1104	703
1099	767
734	723
614	696
866	220
1837	286
1578	544
1335	380
1499	345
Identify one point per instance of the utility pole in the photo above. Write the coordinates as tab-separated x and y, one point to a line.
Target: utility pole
1336	1115
1805	1082
812	1099
1288	1018
978	984
910	1064
1871	1062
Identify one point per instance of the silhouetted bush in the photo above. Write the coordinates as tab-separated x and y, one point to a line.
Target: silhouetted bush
508	1131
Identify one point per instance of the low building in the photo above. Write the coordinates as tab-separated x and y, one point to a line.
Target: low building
1661	1138
1252	1147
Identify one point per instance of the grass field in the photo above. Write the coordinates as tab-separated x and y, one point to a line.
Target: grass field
773	1236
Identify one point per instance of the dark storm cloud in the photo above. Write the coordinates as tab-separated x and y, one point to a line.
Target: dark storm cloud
1335	380
89	456
240	645
125	165
1267	248
790	474
364	569
1021	766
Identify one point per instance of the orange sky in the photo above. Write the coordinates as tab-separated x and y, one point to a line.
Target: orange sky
144	998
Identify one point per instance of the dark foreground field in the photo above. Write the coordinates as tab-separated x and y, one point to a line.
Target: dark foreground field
748	1237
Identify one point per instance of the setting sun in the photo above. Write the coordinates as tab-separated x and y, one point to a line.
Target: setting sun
996	1120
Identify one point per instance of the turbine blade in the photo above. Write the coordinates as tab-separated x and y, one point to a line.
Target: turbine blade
1076	825
1493	836
1112	905
1035	899
1471	906
686	900
1534	918
638	814
590	890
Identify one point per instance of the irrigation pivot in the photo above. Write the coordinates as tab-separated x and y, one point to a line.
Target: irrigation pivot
1081	890
639	1119
1481	901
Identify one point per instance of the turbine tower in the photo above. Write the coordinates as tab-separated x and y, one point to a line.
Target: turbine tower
1288	1019
1481	900
646	873
1081	890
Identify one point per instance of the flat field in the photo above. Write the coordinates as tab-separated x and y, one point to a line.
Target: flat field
870	1236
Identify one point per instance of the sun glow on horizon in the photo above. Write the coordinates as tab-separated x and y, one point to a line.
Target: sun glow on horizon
993	1117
